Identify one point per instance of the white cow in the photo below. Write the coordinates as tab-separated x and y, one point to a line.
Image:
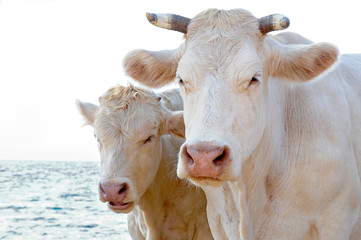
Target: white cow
138	164
273	130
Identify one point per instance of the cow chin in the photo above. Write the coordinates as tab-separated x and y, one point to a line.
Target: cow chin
206	181
201	181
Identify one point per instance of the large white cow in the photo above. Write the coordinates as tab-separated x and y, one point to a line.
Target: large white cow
138	164
273	130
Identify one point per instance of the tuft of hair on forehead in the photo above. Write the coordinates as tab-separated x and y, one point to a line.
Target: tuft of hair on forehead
121	97
223	22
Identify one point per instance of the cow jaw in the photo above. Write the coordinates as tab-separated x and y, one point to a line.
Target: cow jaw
205	181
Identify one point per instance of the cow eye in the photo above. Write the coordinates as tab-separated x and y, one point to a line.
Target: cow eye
149	139
180	81
253	81
99	143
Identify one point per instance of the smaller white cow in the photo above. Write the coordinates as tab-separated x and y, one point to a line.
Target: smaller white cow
138	163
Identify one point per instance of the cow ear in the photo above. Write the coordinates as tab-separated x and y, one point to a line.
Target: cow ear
174	125
153	69
300	62
172	100
87	110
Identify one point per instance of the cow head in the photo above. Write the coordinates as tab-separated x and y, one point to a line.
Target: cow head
223	69
128	126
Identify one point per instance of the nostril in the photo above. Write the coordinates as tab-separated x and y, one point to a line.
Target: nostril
123	188
186	155
218	160
222	157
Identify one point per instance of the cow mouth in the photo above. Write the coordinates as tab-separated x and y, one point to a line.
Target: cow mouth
120	206
206	181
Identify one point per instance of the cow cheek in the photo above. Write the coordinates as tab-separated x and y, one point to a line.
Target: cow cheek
249	123
113	167
146	166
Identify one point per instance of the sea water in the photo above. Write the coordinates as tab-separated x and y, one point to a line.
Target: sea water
55	200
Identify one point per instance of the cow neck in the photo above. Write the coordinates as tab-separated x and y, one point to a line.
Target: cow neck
265	165
252	191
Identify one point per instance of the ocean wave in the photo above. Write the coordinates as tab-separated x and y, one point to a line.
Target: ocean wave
15	208
55	200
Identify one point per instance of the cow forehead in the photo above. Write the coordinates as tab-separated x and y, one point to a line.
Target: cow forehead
141	121
234	61
130	124
221	42
220	31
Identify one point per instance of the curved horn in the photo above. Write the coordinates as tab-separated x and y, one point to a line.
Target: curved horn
169	21
273	22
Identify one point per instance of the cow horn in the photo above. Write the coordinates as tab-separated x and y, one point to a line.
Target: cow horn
273	22
169	21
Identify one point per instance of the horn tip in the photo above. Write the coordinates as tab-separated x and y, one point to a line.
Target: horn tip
151	17
285	22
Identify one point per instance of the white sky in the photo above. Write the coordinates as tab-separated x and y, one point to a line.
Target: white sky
55	51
